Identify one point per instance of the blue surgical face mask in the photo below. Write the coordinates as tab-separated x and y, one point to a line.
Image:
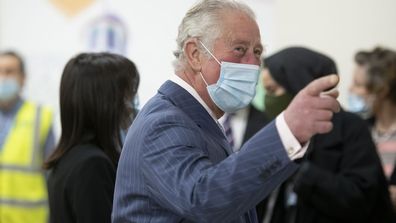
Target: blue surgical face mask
236	86
357	104
9	89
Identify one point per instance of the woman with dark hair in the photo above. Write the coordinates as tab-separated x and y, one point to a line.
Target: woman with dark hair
340	179
96	94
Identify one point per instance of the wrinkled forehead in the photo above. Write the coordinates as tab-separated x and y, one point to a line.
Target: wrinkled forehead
10	65
9	61
237	26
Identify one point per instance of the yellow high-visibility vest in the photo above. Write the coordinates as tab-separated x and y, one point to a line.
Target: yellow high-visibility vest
23	188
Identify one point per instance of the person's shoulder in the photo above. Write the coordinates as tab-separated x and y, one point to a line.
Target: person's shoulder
36	104
89	152
160	109
349	117
81	161
88	158
45	109
82	154
352	124
85	169
159	103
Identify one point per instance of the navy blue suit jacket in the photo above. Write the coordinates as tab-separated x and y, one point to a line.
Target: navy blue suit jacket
176	166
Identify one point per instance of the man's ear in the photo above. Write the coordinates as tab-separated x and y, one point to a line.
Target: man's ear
192	54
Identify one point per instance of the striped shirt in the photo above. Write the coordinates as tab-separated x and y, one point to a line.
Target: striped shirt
386	147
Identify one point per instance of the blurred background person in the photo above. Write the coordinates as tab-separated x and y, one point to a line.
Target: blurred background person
26	137
340	178
373	96
96	104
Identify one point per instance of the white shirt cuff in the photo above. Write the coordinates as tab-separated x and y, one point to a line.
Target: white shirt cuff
290	143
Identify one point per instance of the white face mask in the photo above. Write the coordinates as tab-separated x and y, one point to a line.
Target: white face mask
9	89
236	86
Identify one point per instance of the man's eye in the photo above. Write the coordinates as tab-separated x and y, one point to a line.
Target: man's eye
240	49
258	52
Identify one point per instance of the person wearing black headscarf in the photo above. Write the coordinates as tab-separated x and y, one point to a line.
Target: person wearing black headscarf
340	179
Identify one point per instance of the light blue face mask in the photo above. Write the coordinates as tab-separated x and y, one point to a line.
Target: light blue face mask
236	86
358	105
9	89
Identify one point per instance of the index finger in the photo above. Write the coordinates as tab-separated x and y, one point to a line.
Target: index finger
330	93
321	84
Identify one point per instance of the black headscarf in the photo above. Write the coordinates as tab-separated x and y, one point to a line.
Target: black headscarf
294	67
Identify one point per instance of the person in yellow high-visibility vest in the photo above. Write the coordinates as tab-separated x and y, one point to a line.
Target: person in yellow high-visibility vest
26	136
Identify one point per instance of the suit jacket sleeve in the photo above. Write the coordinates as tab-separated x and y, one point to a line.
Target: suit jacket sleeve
181	176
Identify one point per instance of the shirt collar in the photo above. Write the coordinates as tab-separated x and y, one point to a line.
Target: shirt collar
176	79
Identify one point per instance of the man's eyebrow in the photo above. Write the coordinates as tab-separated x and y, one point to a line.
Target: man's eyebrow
260	45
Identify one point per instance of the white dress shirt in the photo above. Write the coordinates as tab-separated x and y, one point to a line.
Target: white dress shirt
290	143
238	123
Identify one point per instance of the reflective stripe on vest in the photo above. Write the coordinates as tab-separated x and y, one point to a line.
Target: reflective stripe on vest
23	191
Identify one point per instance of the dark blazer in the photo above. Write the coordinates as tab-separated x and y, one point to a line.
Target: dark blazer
340	179
81	186
256	120
176	166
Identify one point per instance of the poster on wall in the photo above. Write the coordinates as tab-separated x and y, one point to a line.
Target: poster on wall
71	8
106	33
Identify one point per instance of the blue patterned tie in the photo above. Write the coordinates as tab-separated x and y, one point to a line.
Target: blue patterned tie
228	129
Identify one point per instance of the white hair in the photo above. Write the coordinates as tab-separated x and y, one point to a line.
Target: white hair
203	21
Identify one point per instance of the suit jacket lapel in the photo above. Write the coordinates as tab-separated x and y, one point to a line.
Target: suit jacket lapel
189	105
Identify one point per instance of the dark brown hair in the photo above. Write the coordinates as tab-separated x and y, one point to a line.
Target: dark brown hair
380	65
96	91
16	56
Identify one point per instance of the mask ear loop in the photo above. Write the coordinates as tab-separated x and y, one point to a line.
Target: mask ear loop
212	56
203	78
210	52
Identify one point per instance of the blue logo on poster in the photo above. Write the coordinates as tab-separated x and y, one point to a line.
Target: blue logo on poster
107	34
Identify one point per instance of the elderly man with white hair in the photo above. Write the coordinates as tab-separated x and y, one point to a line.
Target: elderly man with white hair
176	164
